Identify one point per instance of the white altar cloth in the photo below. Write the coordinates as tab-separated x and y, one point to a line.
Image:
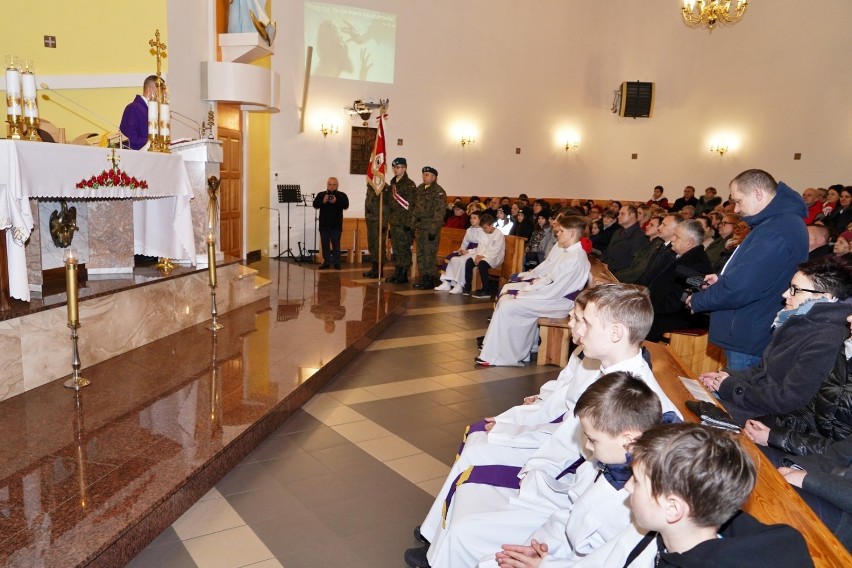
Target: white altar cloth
161	213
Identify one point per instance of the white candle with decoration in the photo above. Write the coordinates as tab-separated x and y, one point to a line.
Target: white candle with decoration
13	87
152	118
29	99
165	119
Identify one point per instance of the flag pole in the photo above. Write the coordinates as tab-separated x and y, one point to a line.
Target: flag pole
381	246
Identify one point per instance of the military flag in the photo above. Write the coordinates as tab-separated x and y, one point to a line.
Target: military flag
378	165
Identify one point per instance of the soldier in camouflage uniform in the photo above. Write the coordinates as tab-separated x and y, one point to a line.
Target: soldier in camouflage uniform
371	215
400	205
429	208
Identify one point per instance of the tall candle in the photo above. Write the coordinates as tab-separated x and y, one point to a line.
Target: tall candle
165	119
71	286
13	92
211	259
152	118
29	87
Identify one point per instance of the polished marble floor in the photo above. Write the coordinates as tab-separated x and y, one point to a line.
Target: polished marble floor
344	480
341	482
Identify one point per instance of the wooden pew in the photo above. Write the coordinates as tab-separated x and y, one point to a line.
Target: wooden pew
349	238
451	239
513	262
773	499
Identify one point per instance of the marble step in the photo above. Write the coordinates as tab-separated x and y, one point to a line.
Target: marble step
261	282
245	271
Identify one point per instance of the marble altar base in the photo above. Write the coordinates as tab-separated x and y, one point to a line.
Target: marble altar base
35	348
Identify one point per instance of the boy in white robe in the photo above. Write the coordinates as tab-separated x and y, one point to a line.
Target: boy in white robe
547	292
611	337
488	254
613	411
452	279
689	482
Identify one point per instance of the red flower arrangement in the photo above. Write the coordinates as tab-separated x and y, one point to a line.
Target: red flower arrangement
112	178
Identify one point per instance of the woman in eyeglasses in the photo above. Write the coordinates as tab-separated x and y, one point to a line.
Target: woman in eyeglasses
809	333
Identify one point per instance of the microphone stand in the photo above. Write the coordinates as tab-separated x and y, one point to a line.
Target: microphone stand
280	252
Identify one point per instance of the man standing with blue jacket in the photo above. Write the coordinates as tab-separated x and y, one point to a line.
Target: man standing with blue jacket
744	298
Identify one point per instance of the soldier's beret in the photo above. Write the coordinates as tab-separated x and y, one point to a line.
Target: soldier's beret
430	169
399	162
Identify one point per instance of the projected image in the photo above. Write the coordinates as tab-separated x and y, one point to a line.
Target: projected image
350	43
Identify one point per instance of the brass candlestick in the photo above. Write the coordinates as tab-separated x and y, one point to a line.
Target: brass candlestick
16	127
76	381
211	272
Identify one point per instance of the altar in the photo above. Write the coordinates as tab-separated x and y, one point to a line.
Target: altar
156	184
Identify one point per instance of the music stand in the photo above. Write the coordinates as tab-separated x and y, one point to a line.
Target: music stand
289	194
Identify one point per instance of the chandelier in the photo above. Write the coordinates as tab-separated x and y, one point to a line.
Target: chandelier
710	13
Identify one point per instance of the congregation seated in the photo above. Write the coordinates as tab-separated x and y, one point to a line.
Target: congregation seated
504	222
458	219
609	219
739	233
540	243
708	202
626	241
658	198
666	280
718	247
808	334
639	262
523	223
841	216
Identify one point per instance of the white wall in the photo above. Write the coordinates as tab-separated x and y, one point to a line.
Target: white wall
520	70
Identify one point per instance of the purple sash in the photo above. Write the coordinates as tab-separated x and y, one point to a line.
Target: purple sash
573	295
493	475
572	468
471	428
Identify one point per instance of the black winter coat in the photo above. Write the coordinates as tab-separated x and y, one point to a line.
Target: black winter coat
826	419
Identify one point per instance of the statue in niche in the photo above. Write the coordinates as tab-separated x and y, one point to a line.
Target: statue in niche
248	16
63	223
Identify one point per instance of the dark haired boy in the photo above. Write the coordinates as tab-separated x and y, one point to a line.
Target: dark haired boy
689	482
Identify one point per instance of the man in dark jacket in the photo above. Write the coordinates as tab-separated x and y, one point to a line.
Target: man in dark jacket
668	285
641	259
744	298
687	199
331	204
626	241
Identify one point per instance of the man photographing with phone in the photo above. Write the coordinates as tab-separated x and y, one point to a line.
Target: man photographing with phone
331	204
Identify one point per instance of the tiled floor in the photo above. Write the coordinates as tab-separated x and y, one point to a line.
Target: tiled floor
344	480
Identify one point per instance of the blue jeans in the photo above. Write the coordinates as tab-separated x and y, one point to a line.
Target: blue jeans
738	361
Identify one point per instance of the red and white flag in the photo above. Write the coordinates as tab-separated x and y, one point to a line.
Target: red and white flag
378	166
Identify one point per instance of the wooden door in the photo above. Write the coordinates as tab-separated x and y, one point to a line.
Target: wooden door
231	196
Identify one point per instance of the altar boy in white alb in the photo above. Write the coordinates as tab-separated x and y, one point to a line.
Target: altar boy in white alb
452	279
613	412
610	321
548	290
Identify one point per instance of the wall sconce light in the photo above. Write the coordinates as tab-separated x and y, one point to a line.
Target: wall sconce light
572	145
467	141
327	129
721	147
